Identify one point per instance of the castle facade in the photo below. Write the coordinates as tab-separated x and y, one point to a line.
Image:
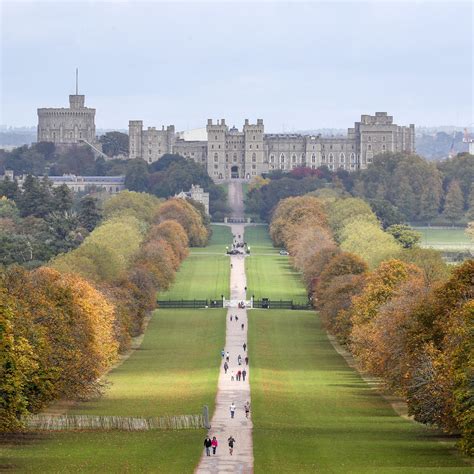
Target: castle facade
231	153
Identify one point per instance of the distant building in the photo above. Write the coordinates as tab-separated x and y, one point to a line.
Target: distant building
66	126
109	184
231	153
196	193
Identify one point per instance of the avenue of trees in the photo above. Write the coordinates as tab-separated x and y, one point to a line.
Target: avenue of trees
400	188
63	325
403	314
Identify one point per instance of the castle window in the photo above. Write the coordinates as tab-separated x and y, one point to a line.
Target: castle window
212	146
235	147
254	137
294	147
369	138
282	158
254	157
216	157
293	158
330	147
384	148
216	167
254	167
342	157
257	146
250	146
352	157
323	157
219	146
80	134
272	158
322	147
313	158
369	147
331	157
342	147
215	137
235	157
70	135
383	138
352	147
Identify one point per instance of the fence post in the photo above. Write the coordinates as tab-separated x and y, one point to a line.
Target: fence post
205	413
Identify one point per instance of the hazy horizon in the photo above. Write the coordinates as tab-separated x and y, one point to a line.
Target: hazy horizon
298	66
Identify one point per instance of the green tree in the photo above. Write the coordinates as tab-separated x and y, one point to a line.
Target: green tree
9	189
114	143
137	176
62	199
430	199
386	212
89	214
405	235
470	204
405	198
454	202
36	198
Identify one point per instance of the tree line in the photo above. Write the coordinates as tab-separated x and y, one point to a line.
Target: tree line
402	312
39	221
63	325
400	188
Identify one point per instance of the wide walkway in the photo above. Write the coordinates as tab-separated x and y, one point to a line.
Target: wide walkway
233	391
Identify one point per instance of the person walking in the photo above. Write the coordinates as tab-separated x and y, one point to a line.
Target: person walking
232	410
222	353
246	360
231	442
239	359
232	376
244	374
247	409
226	366
239	375
227	356
207	445
244	345
236	318
231	317
214	444
242	326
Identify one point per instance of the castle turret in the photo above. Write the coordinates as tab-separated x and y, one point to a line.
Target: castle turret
135	129
216	141
254	151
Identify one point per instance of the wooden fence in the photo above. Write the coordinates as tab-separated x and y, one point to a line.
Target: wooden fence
123	423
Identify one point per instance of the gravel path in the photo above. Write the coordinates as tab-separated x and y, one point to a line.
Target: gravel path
238	392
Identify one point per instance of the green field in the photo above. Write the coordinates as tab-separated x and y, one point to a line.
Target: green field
446	238
270	275
259	240
205	273
169	374
220	238
312	413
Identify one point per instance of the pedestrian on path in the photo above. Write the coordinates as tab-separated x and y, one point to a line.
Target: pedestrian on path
226	366
231	442
231	317
246	360
232	376
239	374
239	359
244	374
222	353
244	346
207	445
227	356
236	318
232	410
214	444
242	326
247	409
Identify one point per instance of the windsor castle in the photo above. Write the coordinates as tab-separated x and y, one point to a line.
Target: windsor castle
231	153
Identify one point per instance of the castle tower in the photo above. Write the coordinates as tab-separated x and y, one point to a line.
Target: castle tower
216	147
135	130
254	152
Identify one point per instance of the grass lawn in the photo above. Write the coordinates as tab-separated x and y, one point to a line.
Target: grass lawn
169	374
220	238
312	413
200	277
454	238
270	275
273	277
259	240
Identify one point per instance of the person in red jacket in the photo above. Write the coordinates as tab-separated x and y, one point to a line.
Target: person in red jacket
214	444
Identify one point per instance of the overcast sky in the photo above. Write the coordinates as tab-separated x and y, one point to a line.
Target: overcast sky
296	65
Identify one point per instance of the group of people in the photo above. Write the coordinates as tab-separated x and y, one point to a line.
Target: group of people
213	443
240	375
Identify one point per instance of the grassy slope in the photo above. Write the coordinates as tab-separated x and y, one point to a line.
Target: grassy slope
444	238
312	413
270	275
204	276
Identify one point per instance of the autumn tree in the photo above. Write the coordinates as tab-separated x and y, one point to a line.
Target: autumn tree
404	235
